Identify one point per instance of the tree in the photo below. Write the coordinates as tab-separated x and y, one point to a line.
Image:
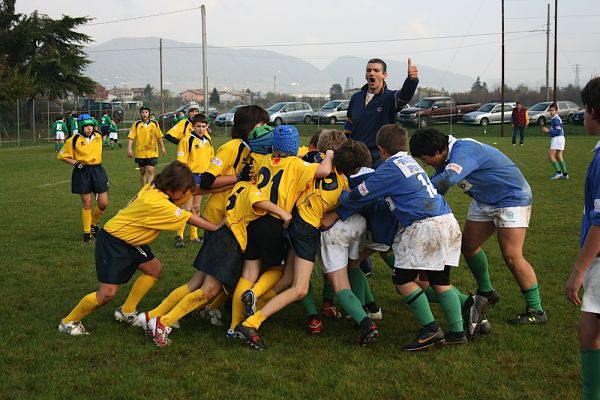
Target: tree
148	91
478	86
214	98
101	93
335	92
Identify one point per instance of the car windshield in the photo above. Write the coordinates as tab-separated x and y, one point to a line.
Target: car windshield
486	107
276	107
424	104
330	105
539	107
233	109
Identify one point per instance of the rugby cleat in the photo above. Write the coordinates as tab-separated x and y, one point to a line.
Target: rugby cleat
472	313
250	336
73	328
485	327
94	230
179	243
129	318
249	301
425	339
329	310
455	338
368	336
87	238
531	317
492	296
315	326
160	332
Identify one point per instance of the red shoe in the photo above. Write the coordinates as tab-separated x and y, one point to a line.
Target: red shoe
329	310
315	326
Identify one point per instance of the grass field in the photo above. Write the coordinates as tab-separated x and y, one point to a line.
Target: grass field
45	270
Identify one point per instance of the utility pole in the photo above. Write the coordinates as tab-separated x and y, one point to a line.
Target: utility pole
162	99
555	45
275	86
204	61
548	55
502	83
576	68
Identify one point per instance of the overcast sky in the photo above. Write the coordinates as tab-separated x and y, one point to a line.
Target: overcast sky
459	35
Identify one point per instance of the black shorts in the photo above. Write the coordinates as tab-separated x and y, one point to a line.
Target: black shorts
402	276
266	241
304	238
220	257
91	178
143	162
117	261
105	130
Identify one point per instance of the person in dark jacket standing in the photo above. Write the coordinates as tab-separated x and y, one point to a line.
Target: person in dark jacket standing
519	122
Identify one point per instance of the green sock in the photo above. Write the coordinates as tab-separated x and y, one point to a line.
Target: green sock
532	297
357	283
368	294
452	310
461	296
590	373
556	167
389	259
309	302
563	167
56	146
478	264
351	304
433	297
419	305
327	289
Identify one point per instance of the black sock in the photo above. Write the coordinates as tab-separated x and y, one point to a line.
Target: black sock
432	326
372	307
365	324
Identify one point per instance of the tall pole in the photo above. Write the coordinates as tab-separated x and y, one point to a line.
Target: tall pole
275	86
204	61
162	99
502	80
548	55
555	45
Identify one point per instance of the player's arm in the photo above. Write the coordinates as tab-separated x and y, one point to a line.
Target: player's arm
459	166
171	134
66	154
200	222
273	208
409	87
325	167
369	191
590	249
162	146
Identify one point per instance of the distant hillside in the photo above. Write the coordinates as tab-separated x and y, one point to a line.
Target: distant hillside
134	62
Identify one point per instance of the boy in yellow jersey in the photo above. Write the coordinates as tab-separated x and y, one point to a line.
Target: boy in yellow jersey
184	125
122	245
196	151
218	263
83	151
283	177
148	136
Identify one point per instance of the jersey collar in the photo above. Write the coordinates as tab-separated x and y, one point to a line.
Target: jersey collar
451	141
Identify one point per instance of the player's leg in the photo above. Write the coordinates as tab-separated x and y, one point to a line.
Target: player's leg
552	157
177	295
450	303
195	208
250	272
151	271
86	216
101	204
149	173
71	323
562	163
142	174
475	233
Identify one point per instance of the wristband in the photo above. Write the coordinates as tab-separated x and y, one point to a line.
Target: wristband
78	165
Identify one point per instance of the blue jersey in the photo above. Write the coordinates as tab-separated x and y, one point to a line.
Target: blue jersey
591	198
406	188
484	173
556	127
380	220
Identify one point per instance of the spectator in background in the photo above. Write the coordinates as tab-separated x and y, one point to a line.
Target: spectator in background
557	144
59	129
520	119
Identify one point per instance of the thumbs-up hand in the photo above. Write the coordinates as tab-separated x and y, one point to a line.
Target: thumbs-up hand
413	72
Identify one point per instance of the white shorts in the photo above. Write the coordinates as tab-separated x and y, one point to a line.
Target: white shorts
557	143
113	135
370	244
342	242
429	244
59	136
591	288
507	217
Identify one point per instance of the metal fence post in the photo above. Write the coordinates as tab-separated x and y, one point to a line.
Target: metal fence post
18	126
33	117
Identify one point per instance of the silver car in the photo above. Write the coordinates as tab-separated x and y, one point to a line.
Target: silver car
227	118
539	114
332	112
489	113
290	112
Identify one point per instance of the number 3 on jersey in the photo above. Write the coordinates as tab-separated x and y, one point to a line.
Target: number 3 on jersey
424	179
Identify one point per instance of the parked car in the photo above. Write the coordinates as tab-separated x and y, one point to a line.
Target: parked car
96	108
227	118
167	117
539	114
435	109
289	112
331	112
489	113
578	117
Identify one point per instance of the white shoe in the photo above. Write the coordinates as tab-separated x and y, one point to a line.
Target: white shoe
556	176
129	318
215	317
160	332
376	315
74	328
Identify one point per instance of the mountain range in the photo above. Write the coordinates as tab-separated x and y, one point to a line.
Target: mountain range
135	62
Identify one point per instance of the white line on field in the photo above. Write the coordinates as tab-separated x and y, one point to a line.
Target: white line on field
52	184
157	165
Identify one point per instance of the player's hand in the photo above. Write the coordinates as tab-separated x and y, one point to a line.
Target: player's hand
572	287
287	219
129	153
413	72
328	220
244	174
78	165
164	151
546	130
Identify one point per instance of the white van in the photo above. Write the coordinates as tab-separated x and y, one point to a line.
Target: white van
332	112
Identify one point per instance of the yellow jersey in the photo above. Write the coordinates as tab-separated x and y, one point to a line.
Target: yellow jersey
282	180
239	211
146	215
231	157
321	196
88	150
146	137
183	128
195	152
302	150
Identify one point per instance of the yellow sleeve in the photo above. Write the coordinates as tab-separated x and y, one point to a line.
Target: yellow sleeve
132	132
67	150
222	160
526	117
182	151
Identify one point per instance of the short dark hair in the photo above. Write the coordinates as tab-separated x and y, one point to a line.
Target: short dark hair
175	176
590	96
392	138
199	118
314	139
245	119
428	142
378	61
553	105
351	156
